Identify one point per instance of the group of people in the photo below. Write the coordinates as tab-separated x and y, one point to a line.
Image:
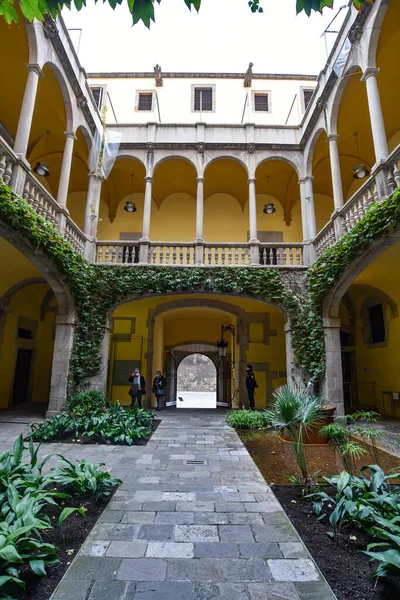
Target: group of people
138	387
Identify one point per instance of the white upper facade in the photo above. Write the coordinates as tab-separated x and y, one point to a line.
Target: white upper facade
212	98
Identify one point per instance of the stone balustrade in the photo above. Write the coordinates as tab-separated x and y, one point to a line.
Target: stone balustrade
355	208
212	254
39	197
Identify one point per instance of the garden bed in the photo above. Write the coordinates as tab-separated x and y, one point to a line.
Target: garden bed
347	570
70	536
276	460
84	440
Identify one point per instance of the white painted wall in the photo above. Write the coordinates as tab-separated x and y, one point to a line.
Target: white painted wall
175	100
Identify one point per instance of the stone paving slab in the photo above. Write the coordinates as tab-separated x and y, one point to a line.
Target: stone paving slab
184	532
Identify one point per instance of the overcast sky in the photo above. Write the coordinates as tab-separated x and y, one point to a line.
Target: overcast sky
223	36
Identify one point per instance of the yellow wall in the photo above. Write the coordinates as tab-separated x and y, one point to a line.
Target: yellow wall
198	324
175	220
378	363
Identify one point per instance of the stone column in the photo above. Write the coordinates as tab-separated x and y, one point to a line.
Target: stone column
308	219
254	242
63	343
99	381
294	373
335	171
28	106
375	113
92	205
66	168
333	381
145	239
199	241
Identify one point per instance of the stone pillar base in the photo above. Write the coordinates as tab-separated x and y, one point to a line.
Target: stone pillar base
309	253
199	253
144	252
255	252
332	386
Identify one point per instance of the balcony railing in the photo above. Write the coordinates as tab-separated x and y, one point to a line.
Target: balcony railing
355	208
190	254
39	198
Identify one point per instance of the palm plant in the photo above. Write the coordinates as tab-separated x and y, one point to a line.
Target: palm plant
341	436
297	412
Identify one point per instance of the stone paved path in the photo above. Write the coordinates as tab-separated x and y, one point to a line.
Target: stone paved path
178	529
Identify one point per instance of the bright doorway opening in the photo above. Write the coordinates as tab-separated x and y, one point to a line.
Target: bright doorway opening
196	382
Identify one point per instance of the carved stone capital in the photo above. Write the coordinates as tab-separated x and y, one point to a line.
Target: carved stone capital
34	68
322	103
332	137
370	72
251	180
149	179
70	134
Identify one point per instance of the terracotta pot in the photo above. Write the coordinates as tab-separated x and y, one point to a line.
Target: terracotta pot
312	436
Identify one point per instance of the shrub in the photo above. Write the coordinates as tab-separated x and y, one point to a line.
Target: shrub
247	419
372	504
84	478
341	437
26	494
87	402
112	424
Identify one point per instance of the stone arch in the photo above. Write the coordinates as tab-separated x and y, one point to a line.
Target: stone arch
375	32
309	152
31	35
44	266
124	155
45	304
281	158
87	136
69	117
173	157
335	100
5	300
226	157
333	299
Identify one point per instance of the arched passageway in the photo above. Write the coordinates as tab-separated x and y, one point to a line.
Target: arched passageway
36	333
158	332
196	382
364	309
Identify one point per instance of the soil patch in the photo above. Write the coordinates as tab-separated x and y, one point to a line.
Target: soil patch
70	536
276	460
347	570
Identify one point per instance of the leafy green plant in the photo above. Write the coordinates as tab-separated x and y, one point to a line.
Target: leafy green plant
297	412
86	402
341	436
388	555
55	428
19	545
247	419
359	499
85	478
111	424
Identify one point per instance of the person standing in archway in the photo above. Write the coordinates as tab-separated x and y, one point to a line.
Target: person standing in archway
158	389
138	387
251	385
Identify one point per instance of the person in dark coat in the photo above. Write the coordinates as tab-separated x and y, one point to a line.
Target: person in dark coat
251	385
138	387
158	389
